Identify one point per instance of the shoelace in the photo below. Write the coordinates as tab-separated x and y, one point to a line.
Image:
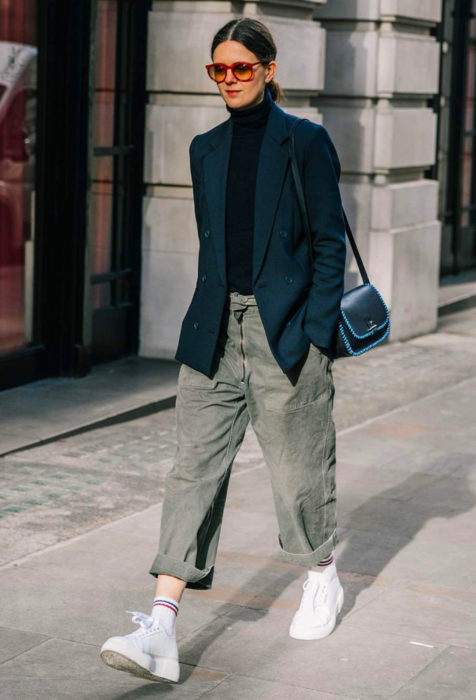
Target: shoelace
145	621
314	597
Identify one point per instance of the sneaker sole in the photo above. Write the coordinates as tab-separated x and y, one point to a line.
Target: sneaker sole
309	633
167	670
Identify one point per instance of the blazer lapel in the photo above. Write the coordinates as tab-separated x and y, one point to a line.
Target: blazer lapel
215	171
270	175
272	167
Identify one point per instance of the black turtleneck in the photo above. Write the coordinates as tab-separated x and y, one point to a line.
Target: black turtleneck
248	129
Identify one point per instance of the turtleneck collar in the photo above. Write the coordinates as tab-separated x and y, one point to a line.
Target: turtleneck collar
257	114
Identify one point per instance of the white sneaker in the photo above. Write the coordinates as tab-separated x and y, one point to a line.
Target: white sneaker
148	652
322	601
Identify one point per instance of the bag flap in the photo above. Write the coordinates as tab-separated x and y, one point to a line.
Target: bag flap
364	310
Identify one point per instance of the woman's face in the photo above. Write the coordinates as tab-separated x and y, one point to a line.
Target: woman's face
247	93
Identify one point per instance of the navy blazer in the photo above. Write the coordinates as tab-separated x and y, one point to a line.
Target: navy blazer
297	304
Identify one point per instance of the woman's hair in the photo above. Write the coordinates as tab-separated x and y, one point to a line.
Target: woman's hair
257	38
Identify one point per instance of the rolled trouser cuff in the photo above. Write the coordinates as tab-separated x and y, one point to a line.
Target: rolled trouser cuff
313	557
195	578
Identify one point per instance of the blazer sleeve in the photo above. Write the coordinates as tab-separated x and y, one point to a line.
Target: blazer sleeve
321	173
195	173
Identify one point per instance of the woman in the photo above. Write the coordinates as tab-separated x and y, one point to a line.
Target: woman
254	345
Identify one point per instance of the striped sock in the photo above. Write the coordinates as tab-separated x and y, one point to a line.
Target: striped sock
323	564
165	611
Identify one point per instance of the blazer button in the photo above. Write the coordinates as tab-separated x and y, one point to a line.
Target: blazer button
195	325
206	233
283	234
204	278
289	280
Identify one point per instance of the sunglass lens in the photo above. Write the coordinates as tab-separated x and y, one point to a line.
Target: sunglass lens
242	72
216	72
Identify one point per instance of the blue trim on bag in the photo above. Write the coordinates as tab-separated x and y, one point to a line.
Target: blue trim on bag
366	335
359	352
377	328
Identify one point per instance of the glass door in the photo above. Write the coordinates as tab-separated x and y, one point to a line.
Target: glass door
72	112
18	83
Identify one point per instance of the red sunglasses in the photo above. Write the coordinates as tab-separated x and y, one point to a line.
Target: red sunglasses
241	70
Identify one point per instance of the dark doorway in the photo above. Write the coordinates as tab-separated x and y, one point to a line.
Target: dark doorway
457	137
119	30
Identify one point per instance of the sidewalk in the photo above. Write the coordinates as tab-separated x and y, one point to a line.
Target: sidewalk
43	411
406	479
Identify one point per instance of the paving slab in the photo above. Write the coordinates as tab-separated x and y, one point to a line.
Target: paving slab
14	642
235	687
349	662
59	668
452	675
429	614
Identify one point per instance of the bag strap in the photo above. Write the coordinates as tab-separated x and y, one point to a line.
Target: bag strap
302	202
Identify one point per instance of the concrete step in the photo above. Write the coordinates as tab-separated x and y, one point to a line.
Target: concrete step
457	292
54	408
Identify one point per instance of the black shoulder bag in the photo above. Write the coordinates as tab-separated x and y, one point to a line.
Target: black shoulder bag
364	319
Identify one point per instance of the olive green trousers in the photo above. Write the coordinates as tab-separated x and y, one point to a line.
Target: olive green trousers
291	415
